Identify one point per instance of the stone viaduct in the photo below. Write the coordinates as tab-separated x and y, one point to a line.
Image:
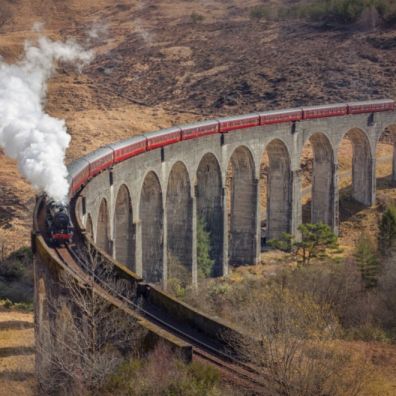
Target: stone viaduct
144	211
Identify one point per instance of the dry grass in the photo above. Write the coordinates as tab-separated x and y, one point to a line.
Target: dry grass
17	364
13	387
17	360
6	316
15	338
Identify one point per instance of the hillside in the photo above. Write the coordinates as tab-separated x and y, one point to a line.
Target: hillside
161	62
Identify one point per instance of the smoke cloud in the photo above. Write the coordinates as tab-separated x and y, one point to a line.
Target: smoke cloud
35	139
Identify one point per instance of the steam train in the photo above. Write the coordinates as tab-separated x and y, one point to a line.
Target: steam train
87	167
105	157
59	226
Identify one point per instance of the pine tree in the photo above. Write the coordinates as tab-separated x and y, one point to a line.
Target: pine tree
315	239
204	262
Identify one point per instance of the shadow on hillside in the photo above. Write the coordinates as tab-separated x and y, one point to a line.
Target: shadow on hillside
16	351
19	376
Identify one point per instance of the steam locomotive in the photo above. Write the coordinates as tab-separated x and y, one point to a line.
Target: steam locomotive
59	225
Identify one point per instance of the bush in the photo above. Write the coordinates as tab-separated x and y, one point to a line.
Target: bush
259	12
367	261
16	276
178	271
163	374
367	332
387	229
195	17
176	288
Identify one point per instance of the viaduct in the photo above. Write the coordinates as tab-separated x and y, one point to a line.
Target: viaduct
141	217
144	211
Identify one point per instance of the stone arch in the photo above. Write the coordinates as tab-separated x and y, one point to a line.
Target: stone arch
277	189
152	218
362	166
124	230
209	206
102	229
322	185
242	195
179	223
89	226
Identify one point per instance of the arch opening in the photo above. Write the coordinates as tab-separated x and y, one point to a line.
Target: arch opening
275	191
241	207
151	217
124	230
210	208
102	230
179	224
318	187
385	170
355	175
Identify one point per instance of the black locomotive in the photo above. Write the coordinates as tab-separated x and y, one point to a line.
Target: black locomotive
59	225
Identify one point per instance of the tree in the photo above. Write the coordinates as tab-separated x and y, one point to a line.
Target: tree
315	240
387	229
294	346
204	262
367	261
87	336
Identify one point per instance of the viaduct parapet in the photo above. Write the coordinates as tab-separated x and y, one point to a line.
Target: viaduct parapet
144	211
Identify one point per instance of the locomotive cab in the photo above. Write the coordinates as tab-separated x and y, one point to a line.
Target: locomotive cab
59	225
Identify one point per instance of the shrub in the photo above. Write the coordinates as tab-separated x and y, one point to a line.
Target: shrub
16	276
367	261
195	17
387	229
178	271
175	287
259	12
367	332
161	373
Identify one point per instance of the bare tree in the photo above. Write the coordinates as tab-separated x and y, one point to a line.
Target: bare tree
86	336
295	347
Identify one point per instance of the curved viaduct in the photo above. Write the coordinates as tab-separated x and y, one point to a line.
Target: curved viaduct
144	211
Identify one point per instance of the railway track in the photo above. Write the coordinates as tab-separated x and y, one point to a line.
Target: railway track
233	370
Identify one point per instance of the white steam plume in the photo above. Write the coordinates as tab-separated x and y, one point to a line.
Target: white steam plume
36	140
